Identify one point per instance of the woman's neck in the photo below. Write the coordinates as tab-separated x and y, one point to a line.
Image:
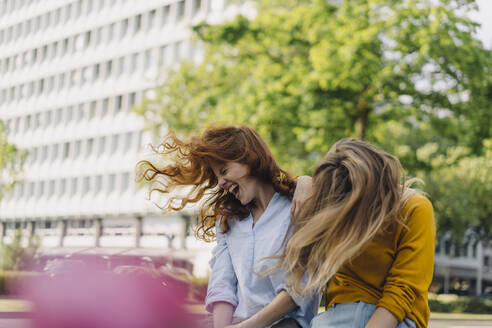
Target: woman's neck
264	195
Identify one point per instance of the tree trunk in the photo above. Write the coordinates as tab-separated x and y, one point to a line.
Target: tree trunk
361	121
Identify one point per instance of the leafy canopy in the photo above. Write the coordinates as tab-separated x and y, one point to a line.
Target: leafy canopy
307	73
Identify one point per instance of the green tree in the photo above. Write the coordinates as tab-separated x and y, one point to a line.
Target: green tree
461	192
13	254
11	159
306	73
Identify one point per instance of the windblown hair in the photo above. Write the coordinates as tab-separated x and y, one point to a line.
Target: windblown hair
189	163
357	193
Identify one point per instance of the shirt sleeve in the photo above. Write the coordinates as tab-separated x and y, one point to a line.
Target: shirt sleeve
222	286
412	270
305	303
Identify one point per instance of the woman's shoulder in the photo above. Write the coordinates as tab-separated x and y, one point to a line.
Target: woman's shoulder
417	200
418	208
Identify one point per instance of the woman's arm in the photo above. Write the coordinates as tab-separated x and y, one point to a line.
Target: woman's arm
303	191
221	298
382	318
280	306
411	273
222	314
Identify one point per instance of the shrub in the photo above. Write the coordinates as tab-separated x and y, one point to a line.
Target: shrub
459	304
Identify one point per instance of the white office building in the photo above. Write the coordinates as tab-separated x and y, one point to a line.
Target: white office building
70	72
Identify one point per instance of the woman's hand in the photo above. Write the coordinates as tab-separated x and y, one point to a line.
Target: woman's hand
382	318
248	323
303	191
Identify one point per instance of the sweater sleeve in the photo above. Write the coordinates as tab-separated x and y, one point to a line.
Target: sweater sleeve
411	272
222	286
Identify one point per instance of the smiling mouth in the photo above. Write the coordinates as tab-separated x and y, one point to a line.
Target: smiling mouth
234	189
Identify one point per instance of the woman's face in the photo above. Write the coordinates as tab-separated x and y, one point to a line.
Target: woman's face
235	178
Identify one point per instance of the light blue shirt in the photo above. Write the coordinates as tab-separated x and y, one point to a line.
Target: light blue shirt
238	257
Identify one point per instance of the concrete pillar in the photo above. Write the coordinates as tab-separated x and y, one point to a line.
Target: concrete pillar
138	230
3	230
183	231
62	231
31	229
479	269
98	231
446	281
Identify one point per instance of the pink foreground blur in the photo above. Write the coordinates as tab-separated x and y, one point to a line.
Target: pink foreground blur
88	298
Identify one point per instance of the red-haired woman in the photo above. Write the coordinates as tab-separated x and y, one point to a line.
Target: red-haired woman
246	198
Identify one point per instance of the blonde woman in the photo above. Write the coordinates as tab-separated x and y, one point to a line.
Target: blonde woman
365	239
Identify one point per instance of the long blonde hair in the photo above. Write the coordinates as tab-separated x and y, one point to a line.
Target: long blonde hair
357	192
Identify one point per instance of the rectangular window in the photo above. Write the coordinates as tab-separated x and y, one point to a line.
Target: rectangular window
44	153
66	150
31	189
125	181
181	10
37	120
68	114
58	116
40	189
165	15
109	68
98	184
123	28
102	145
76	149
105	107
92	109
148	59
128	140
134	63
34	155
118	103
47	118
151	19
61	81
131	99
197	6
54	152
81	112
86	185
51	187
110	33
114	143
73	188
111	183
68	12
138	24
89	145
62	187
162	55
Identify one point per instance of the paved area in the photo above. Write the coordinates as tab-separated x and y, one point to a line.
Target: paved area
22	323
459	323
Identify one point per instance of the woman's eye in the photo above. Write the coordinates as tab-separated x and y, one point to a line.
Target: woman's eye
223	172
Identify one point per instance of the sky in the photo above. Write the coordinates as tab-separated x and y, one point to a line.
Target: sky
484	17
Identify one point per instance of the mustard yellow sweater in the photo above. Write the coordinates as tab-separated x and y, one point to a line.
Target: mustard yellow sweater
395	271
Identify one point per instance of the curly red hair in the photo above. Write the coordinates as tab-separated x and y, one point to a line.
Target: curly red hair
190	165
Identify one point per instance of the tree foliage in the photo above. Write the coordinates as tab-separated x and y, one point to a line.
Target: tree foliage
407	75
307	73
11	159
461	193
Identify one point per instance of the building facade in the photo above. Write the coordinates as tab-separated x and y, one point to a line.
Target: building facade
70	73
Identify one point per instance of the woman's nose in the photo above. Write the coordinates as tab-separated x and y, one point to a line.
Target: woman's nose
222	183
